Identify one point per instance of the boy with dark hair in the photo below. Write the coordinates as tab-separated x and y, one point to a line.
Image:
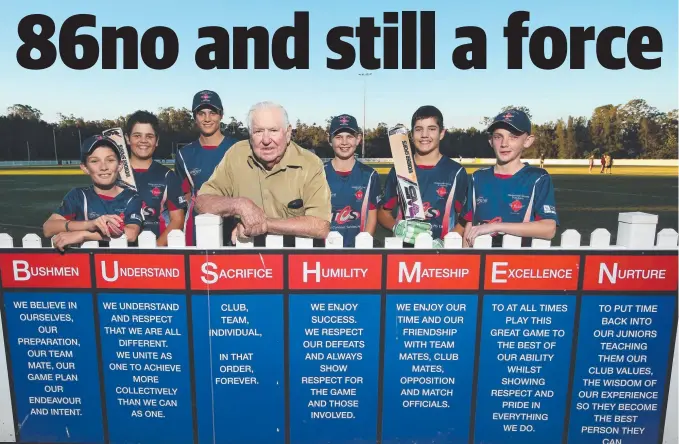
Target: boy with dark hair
163	203
442	182
354	186
101	211
510	197
196	161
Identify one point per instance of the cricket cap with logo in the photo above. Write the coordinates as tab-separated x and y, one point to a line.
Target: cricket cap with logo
93	142
513	118
343	122
207	98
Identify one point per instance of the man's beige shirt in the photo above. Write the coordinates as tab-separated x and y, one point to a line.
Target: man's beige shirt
299	175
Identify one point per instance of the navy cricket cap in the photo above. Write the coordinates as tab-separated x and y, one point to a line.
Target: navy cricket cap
93	142
207	98
513	118
343	122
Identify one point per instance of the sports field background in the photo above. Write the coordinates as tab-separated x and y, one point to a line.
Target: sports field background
584	201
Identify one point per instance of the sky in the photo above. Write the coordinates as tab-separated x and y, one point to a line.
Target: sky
391	96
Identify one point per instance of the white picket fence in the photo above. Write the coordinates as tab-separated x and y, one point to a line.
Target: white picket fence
636	231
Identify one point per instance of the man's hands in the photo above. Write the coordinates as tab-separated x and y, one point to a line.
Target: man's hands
408	230
252	219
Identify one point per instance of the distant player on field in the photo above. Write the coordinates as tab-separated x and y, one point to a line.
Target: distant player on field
163	202
354	186
101	211
442	181
510	197
196	161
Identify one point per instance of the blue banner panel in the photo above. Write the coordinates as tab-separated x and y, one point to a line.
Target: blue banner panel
621	369
334	359
524	365
428	368
144	341
53	350
238	359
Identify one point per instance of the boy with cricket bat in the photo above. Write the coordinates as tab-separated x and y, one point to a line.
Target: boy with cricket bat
163	202
425	191
510	197
101	211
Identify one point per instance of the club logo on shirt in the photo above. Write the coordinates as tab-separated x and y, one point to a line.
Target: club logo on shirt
147	211
359	195
155	191
430	212
441	191
346	214
516	206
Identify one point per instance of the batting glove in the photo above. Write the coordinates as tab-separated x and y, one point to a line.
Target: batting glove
408	230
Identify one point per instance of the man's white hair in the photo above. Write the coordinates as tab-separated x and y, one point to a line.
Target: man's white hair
267	105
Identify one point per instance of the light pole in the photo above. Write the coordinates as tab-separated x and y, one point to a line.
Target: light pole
55	145
365	78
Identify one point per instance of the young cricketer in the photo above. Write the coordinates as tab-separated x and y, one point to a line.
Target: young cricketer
196	161
354	186
510	197
163	203
101	211
442	182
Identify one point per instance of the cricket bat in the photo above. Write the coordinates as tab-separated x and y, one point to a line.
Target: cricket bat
126	175
410	198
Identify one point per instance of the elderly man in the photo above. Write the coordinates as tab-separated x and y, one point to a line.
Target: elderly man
272	184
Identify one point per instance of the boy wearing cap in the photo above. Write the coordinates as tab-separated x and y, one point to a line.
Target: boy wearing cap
442	182
101	211
354	186
163	202
510	197
196	161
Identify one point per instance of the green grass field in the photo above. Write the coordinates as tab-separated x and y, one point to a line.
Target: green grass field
584	201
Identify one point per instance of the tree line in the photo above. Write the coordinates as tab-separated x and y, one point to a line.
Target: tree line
634	130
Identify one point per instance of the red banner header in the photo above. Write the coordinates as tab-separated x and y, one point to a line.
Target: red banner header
433	272
522	272
237	272
644	273
335	272
140	271
45	270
